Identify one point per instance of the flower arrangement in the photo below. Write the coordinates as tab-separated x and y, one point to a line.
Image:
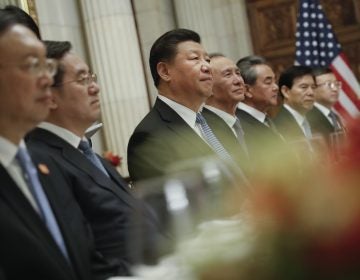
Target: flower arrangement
299	222
114	159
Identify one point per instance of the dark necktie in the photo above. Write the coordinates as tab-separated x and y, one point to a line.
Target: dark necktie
240	136
211	139
34	185
89	153
335	122
270	124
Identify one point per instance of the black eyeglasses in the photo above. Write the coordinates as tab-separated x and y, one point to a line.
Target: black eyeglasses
84	80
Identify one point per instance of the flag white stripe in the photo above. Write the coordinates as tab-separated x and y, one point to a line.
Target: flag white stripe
346	102
346	74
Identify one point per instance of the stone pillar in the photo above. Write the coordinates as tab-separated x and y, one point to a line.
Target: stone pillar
154	17
222	25
116	58
3	3
61	21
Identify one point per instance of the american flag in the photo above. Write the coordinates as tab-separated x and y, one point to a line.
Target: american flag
316	45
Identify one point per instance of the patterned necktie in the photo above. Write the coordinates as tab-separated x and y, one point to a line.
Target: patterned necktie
211	139
307	129
240	136
334	119
34	185
89	153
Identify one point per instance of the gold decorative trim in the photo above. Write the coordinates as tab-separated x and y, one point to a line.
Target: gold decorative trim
29	7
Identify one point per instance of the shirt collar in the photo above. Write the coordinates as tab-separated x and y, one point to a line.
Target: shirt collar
298	117
260	116
63	133
322	109
8	151
188	115
229	119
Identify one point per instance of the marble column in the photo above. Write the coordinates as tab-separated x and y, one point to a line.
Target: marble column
116	58
154	17
222	25
3	3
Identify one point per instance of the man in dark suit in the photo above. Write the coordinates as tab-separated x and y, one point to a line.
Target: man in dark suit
103	195
37	238
297	86
322	118
219	110
261	94
172	132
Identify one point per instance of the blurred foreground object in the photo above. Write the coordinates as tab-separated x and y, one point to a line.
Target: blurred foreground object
296	225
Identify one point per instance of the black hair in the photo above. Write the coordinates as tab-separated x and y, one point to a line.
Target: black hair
57	50
165	48
23	18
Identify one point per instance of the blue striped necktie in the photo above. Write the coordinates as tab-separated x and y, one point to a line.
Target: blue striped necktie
334	119
240	136
36	189
211	139
89	153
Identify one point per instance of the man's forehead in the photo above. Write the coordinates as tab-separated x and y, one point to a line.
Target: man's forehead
264	70
190	46
21	41
325	76
74	63
304	79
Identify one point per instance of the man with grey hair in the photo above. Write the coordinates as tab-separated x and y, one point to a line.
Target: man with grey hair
261	94
228	90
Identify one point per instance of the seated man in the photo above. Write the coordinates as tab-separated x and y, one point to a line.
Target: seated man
102	194
322	118
42	233
174	131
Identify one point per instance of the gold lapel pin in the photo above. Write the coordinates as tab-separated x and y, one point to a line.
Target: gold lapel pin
43	168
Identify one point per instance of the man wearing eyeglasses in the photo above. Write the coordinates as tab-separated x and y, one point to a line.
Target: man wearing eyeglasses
36	239
322	117
101	192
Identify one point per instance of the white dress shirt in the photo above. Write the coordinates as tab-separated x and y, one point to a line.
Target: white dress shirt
260	116
7	158
63	133
188	115
298	117
324	110
226	117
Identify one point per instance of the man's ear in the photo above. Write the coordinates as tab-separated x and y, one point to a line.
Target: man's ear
248	91
163	71
54	98
284	90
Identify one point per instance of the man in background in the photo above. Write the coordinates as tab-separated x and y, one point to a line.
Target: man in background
297	86
261	94
219	111
322	117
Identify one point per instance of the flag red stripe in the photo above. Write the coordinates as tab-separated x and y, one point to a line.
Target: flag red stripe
342	111
346	88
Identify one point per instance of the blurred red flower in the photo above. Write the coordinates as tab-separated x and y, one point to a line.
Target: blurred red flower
114	159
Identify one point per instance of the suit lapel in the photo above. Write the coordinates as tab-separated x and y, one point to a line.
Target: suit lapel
79	161
179	127
21	206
